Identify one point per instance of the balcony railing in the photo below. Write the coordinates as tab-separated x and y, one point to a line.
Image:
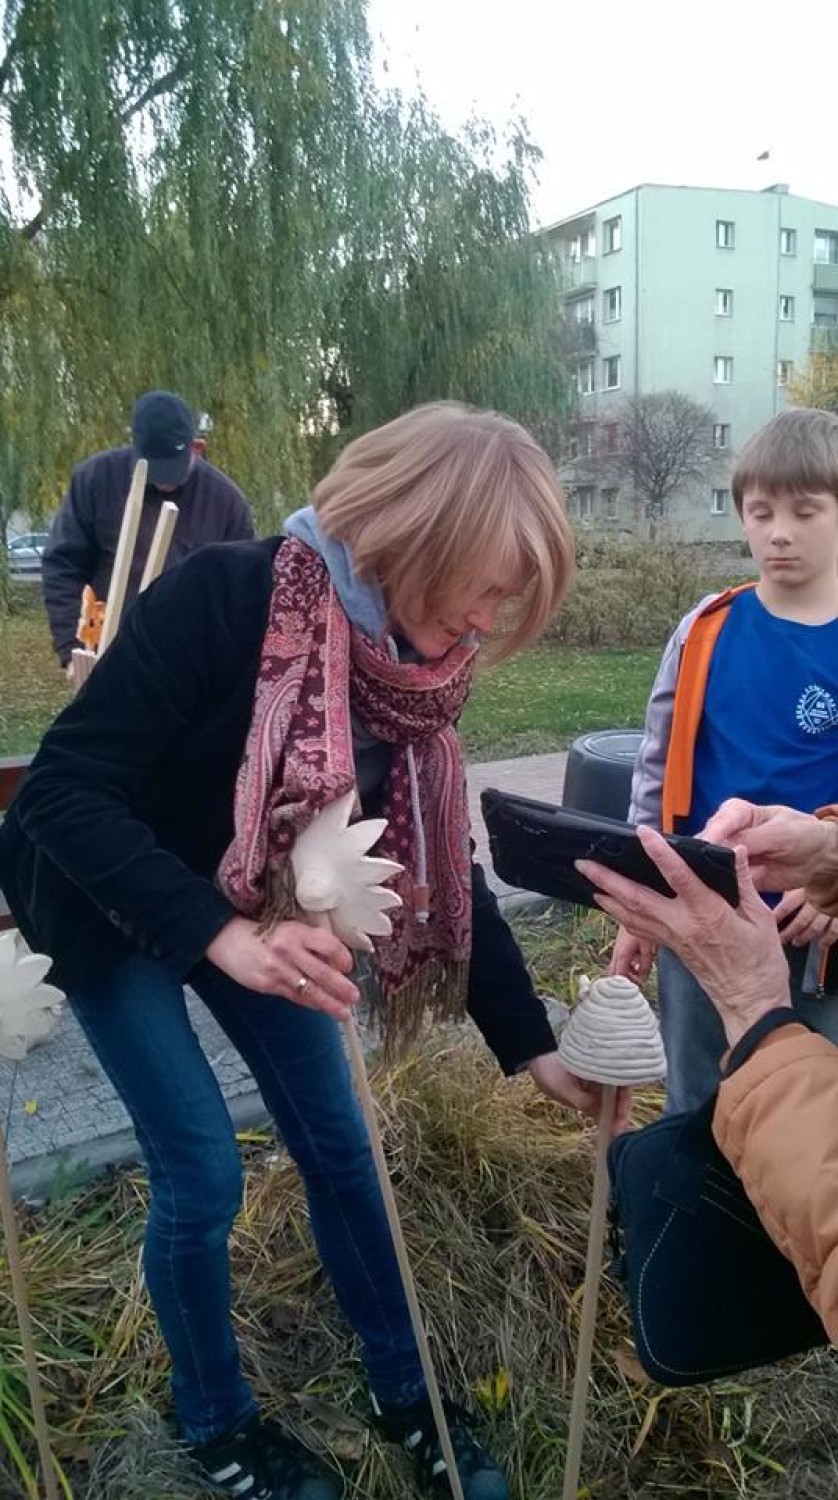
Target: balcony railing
584	338
825	276
579	273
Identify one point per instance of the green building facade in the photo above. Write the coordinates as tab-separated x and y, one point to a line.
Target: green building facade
716	293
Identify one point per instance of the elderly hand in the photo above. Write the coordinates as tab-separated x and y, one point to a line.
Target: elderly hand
800	923
550	1075
734	952
785	848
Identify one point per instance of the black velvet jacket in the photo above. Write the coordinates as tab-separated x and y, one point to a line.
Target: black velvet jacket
114	839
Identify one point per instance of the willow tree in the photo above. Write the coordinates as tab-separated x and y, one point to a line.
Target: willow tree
817	385
216	198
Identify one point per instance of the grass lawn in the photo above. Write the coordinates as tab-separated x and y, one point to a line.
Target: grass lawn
541	699
32	686
537	702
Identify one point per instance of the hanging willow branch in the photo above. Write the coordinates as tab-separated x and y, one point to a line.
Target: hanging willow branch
230	208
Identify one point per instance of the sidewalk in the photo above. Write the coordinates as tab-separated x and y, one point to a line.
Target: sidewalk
65	1119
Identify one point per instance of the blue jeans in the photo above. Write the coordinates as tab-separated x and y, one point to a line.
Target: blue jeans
693	1035
136	1020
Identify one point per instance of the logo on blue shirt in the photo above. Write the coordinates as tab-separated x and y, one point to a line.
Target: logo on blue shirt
816	710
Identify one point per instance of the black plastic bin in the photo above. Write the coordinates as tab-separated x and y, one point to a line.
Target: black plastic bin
599	771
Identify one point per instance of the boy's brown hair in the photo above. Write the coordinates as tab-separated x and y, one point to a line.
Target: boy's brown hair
796	451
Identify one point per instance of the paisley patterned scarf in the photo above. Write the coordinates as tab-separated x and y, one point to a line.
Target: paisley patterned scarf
317	671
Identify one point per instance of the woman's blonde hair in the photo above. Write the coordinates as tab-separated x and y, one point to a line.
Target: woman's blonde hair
444	496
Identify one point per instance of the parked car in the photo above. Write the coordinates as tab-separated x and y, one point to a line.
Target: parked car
25	552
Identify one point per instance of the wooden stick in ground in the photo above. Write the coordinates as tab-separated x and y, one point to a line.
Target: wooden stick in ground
27	1343
124	555
362	1084
160	543
590	1296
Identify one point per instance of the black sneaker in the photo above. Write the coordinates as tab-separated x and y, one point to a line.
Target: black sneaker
414	1427
258	1461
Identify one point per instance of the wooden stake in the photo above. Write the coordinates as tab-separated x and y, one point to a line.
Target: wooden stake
160	543
590	1297
24	1321
360	1078
124	554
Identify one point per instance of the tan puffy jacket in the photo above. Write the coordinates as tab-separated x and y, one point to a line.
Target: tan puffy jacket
776	1121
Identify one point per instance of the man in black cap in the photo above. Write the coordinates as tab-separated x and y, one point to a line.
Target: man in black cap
85	530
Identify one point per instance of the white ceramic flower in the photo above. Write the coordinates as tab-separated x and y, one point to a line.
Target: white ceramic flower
29	1009
334	874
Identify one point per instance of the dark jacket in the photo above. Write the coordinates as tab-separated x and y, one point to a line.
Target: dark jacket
85	530
116	834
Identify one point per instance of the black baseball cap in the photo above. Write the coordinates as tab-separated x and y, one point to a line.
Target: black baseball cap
163	430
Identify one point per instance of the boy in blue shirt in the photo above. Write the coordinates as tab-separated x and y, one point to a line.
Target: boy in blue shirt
745	704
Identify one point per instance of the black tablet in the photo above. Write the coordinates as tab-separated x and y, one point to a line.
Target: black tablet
535	846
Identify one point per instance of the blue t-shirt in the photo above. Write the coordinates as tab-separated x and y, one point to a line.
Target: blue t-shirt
769	730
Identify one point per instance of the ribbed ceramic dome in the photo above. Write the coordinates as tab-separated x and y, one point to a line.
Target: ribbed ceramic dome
612	1035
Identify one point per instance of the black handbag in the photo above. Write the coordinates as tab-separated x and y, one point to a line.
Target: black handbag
708	1290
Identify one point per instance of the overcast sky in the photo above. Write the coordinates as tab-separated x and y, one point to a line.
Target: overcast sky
629	91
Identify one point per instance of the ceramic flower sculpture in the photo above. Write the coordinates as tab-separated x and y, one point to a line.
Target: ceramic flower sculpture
29	1009
333	873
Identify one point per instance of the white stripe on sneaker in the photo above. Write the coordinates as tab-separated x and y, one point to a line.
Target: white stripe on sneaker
223	1476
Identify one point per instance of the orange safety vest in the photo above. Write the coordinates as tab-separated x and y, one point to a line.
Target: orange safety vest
690	690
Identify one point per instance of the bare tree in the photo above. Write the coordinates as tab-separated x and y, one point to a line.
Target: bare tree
663	442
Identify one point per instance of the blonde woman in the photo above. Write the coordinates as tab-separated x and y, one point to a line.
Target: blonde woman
247	688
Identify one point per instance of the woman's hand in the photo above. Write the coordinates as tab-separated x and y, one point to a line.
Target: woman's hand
785	848
550	1075
804	923
733	951
632	956
273	963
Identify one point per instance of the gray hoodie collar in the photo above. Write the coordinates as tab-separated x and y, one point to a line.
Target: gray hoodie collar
363	602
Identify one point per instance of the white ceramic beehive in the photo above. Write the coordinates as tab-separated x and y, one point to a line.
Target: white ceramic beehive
612	1035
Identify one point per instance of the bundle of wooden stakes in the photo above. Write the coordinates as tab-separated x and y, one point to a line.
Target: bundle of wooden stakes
99	620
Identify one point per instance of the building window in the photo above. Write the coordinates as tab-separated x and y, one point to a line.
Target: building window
611	373
612	232
585	377
584	310
611	437
786	309
826	247
612	304
719	502
724	302
721	434
585	501
785	371
725	234
722	369
788	241
609	505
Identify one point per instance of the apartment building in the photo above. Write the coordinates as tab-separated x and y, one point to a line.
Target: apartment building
717	293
